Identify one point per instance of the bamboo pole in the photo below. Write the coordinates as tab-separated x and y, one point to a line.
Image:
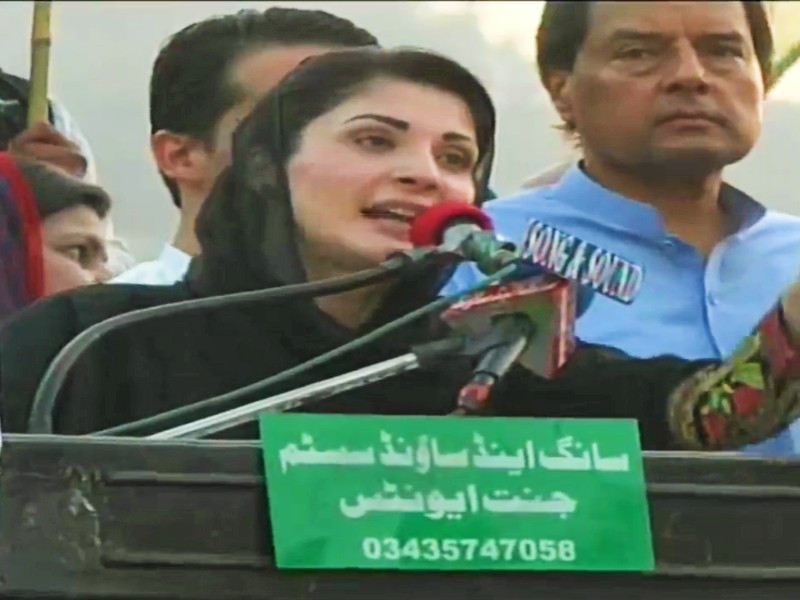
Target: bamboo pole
40	62
783	63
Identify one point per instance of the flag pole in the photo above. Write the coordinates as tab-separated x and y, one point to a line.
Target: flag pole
40	62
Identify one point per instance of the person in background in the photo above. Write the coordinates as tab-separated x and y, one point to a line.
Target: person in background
205	80
59	142
53	230
367	140
661	97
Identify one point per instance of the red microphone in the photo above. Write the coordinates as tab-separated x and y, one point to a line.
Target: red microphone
464	230
434	225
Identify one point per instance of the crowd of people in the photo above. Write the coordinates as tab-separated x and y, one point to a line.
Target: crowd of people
297	149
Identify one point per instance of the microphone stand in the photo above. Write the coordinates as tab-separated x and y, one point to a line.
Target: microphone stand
291	399
423	356
44	401
513	333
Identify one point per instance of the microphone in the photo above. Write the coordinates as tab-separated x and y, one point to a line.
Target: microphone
462	229
547	304
531	317
465	230
449	222
532	322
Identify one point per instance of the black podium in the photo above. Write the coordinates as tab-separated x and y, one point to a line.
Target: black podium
127	518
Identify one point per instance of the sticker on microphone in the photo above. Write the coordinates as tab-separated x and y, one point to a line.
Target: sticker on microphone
577	260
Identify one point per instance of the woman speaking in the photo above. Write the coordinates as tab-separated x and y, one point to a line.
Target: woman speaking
328	171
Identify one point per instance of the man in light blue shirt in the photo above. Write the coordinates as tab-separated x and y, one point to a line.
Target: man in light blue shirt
662	96
688	305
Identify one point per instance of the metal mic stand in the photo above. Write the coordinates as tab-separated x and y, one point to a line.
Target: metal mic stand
292	399
420	356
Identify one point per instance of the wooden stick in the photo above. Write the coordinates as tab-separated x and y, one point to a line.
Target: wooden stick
783	63
40	63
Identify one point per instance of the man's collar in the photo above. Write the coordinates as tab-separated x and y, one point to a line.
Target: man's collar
741	210
580	191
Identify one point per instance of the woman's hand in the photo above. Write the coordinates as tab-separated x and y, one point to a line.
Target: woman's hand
42	142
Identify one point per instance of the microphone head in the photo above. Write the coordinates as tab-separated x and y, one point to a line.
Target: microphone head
429	227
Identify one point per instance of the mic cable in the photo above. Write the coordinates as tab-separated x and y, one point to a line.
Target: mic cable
41	417
203	408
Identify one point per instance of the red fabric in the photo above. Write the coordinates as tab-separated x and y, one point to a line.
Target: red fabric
782	356
747	401
21	217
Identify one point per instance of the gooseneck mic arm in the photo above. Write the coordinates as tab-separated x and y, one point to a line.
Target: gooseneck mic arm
207	407
291	399
493	347
41	417
421	356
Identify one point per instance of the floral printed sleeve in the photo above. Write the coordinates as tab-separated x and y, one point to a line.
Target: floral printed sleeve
747	399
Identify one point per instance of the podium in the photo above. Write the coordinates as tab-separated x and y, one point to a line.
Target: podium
133	519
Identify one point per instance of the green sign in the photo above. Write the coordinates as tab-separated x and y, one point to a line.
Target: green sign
377	492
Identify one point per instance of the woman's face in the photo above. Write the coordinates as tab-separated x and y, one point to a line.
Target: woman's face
365	169
74	249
